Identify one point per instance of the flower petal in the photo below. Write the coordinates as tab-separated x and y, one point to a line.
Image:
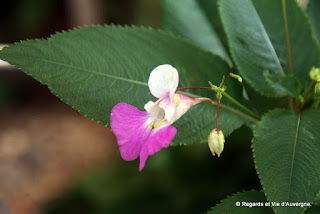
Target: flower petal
184	103
169	108
129	125
163	81
152	108
158	139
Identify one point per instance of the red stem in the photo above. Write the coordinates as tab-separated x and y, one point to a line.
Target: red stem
183	88
225	79
218	104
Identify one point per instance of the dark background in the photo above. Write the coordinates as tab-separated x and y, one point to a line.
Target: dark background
54	160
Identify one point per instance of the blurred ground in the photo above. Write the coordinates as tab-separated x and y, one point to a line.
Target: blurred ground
43	144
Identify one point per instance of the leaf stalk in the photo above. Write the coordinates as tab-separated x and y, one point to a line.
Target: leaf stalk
285	18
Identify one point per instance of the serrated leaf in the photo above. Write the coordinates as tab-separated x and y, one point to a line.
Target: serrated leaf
314	16
239	203
284	85
305	51
287	152
257	40
186	18
249	43
94	68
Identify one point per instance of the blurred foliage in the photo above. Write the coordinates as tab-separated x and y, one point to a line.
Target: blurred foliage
23	19
176	180
27	19
10	89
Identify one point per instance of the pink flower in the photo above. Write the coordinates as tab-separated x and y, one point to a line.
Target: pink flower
143	133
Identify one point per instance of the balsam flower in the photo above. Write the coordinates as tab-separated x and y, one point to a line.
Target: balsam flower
143	133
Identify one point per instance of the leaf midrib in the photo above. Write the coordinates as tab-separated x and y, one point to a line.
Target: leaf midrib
294	152
231	109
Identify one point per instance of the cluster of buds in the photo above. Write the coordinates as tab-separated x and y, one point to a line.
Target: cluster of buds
315	76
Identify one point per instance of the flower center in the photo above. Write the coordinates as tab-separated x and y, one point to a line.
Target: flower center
159	120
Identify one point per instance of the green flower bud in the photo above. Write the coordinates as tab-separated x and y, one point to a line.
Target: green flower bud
236	77
216	141
315	74
301	99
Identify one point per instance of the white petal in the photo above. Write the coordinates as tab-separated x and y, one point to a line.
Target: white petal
152	108
169	108
163	81
156	113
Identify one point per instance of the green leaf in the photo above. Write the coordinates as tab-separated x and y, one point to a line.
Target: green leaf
230	205
94	68
317	200
210	9
287	153
257	40
249	43
284	85
305	51
186	18
263	104
314	15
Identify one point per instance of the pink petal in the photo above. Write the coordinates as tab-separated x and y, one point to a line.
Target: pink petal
129	125
158	139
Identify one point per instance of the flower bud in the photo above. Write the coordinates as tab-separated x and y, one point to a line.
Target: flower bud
216	141
315	74
236	77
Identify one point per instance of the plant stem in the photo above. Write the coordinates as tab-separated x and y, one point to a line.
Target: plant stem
183	88
225	80
227	96
218	105
240	105
287	36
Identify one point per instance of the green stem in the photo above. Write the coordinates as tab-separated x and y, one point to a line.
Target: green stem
287	36
240	105
309	92
231	99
